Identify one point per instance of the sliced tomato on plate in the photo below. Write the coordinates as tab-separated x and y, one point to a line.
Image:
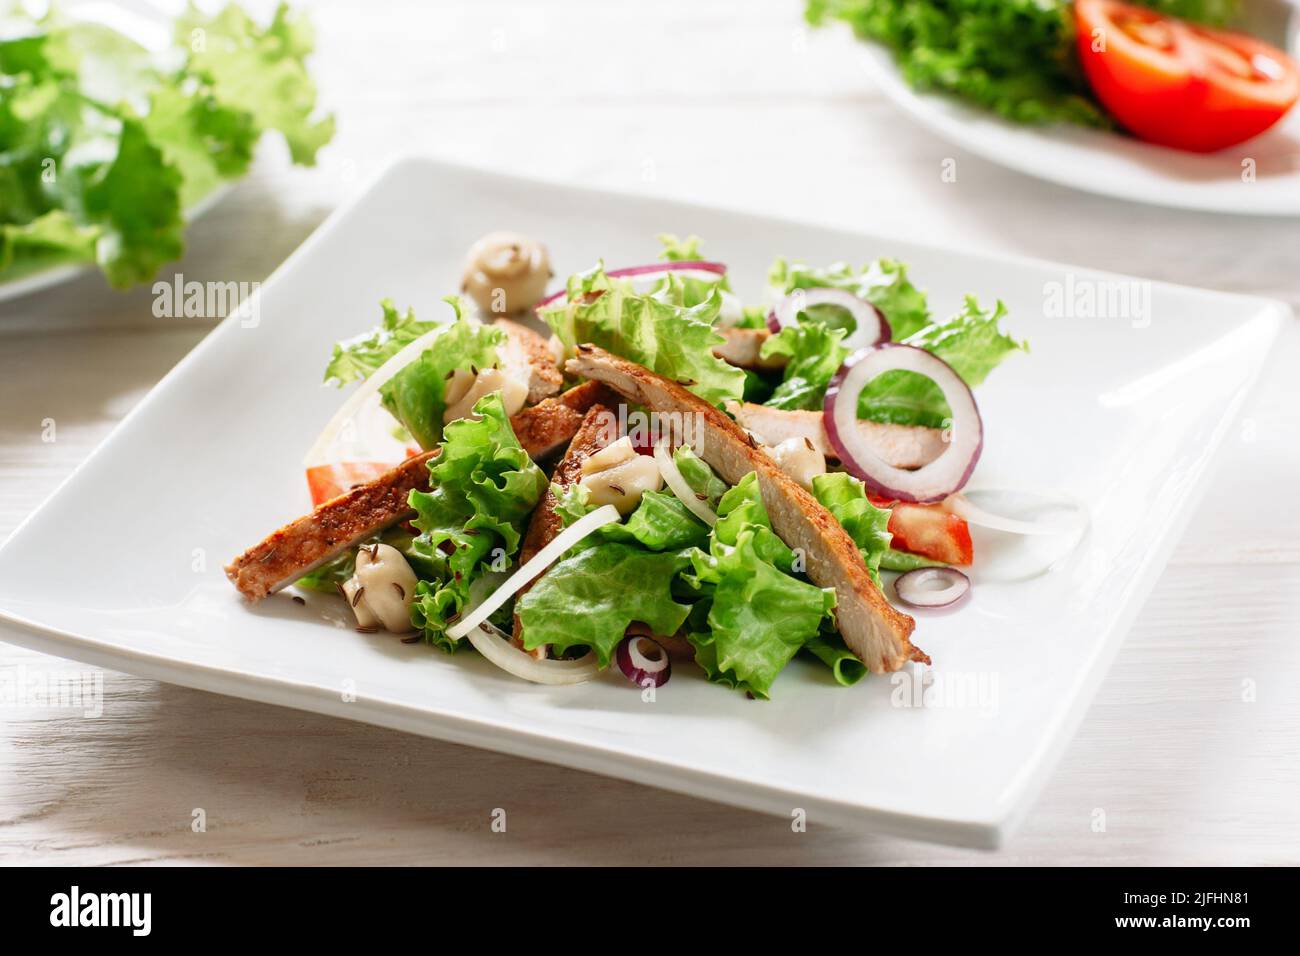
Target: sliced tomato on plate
929	531
1180	84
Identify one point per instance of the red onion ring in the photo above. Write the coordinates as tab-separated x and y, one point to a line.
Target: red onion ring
915	588
654	268
638	665
934	481
872	328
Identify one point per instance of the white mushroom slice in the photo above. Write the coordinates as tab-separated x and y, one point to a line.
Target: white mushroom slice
514	394
610	456
388	586
623	485
360	609
459	383
799	459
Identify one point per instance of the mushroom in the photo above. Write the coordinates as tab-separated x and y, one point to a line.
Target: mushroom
618	476
382	589
506	273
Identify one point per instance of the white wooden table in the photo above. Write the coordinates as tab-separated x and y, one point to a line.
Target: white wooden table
725	101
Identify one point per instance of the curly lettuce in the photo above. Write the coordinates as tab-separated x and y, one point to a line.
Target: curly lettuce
1015	58
104	145
483	488
417	395
972	342
666	336
755	614
846	498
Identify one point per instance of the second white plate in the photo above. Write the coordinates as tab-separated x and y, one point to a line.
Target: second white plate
1260	177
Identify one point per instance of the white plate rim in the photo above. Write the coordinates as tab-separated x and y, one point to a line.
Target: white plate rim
951	120
986	832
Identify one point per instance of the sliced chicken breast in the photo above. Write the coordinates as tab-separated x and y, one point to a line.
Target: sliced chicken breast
599	428
903	446
743	347
527	357
340	523
873	629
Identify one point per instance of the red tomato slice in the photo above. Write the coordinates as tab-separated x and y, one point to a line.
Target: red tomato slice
929	531
1178	84
330	481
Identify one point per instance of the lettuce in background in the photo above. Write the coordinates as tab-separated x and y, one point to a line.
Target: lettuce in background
103	146
1013	57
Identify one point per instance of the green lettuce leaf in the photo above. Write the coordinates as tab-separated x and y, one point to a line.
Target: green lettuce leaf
417	395
668	338
104	144
589	598
260	71
660	522
756	614
679	250
813	355
484	486
895	560
829	648
883	283
846	498
1015	58
972	342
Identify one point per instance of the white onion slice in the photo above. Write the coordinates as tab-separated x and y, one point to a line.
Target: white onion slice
932	587
934	481
972	513
352	408
605	514
870	325
684	492
492	643
1006	556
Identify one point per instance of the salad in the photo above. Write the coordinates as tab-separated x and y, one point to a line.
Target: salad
640	468
105	144
1163	70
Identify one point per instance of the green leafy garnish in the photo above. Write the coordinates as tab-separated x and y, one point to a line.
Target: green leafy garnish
972	342
883	283
1014	57
416	396
756	614
484	486
105	145
675	340
613	584
846	498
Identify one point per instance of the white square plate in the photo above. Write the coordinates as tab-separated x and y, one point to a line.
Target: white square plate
122	567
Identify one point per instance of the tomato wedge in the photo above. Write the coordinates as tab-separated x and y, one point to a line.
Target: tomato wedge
330	481
928	530
1179	84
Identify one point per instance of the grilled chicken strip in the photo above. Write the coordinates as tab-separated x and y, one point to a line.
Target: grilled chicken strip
338	524
903	446
873	629
598	429
742	349
527	352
